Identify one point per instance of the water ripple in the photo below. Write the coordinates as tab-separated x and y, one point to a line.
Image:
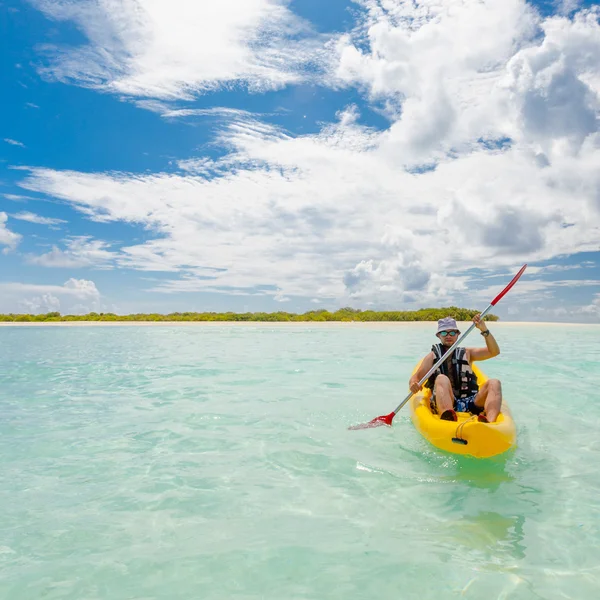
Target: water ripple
216	463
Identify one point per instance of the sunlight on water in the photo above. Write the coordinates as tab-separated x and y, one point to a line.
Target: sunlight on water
197	462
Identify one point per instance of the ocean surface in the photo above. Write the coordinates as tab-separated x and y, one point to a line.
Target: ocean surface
213	463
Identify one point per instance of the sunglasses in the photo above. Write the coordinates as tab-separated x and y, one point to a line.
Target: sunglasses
445	333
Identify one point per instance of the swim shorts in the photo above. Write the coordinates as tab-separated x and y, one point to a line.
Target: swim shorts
466	405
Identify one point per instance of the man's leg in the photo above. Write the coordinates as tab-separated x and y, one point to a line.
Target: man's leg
490	399
444	397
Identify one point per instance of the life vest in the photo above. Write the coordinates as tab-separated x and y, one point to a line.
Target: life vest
462	378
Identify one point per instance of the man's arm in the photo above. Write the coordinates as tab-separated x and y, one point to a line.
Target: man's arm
426	364
492	349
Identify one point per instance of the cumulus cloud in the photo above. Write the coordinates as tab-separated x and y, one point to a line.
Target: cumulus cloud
554	86
434	65
176	49
38	298
8	238
41	304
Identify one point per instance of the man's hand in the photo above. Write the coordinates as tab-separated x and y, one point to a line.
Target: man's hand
479	323
414	386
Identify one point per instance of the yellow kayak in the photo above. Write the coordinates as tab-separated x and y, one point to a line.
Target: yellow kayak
468	436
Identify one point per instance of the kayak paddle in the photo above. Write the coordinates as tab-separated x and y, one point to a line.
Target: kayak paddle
387	419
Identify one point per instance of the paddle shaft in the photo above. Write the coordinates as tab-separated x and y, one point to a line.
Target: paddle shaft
441	360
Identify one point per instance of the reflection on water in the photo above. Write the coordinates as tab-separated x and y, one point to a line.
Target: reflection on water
492	517
488	533
487	474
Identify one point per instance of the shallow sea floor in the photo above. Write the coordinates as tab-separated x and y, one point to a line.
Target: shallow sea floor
216	463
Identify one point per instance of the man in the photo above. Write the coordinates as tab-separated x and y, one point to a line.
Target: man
454	384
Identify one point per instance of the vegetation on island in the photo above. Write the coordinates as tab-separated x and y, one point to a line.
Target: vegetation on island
343	314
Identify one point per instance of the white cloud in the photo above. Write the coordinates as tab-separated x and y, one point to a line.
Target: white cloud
14	142
79	288
33	218
532	290
80	251
593	309
548	269
176	49
171	110
75	295
553	312
567	6
311	209
41	304
216	111
465	71
554	86
436	66
484	164
18	197
8	238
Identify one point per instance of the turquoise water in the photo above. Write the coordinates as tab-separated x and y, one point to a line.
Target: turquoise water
215	463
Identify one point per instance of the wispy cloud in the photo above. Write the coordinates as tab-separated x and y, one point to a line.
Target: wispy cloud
557	311
8	238
532	291
176	49
14	142
18	197
33	218
550	269
80	288
215	111
172	111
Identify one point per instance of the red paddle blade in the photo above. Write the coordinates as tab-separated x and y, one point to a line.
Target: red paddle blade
509	286
377	422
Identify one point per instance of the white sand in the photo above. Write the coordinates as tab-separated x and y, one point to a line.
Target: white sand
332	324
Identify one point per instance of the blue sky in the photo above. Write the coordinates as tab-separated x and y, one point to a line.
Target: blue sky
269	155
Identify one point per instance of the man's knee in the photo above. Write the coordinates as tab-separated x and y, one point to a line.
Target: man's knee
442	381
495	385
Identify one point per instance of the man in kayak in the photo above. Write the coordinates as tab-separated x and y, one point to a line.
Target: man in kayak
454	384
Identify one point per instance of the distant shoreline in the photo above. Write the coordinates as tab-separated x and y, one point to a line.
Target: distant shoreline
282	324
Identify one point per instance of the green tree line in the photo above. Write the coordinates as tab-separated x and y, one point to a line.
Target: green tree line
343	314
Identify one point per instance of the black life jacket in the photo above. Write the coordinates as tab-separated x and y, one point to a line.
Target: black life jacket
462	378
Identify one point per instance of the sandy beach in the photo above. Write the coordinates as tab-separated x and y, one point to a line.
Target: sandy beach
279	324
